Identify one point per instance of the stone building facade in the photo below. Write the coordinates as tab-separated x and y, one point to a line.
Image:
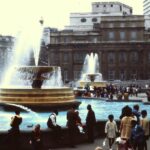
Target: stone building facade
121	42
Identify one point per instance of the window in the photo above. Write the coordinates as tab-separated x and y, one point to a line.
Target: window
66	57
7	39
120	8
122	75
111	25
133	25
122	24
77	74
94	19
97	5
122	35
79	57
111	58
83	19
122	57
134	57
55	58
111	35
111	74
148	75
133	74
149	57
104	6
65	75
111	5
133	35
94	39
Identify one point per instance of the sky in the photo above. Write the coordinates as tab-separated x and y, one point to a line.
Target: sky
16	14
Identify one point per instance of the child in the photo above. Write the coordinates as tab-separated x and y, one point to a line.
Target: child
144	122
110	130
36	141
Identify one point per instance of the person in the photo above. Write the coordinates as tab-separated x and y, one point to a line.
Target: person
72	126
52	124
123	111
14	132
90	123
136	112
79	123
148	95
111	130
144	122
36	140
137	136
125	125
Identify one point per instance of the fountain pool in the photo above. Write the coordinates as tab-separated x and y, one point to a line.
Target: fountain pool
101	107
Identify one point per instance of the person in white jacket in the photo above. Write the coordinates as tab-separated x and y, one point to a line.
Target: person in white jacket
111	130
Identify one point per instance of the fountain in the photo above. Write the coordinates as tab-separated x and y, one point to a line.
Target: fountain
90	72
36	87
40	87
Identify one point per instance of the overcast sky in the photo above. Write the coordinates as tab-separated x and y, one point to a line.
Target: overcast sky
14	14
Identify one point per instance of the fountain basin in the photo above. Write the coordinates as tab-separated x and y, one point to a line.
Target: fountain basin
90	79
96	84
38	99
36	74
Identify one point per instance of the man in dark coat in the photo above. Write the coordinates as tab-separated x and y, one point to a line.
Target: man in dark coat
90	124
72	126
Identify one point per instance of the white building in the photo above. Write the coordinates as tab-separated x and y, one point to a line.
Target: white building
85	21
146	7
146	10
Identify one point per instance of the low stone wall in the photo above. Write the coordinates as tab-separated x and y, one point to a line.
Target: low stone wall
47	136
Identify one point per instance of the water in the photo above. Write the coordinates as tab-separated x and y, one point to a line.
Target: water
91	66
26	47
102	109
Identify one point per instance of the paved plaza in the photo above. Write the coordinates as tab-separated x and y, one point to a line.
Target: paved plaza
98	142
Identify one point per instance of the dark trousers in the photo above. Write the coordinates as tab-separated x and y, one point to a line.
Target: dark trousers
14	139
72	133
90	134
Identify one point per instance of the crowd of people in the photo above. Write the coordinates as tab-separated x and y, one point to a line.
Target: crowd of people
132	131
74	126
121	92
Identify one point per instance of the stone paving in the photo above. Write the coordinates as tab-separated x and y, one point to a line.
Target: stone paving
98	142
